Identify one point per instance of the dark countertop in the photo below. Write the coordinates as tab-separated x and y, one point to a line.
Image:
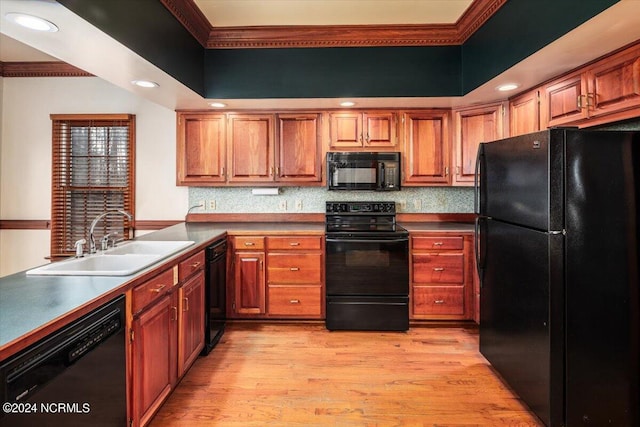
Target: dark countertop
40	304
32	306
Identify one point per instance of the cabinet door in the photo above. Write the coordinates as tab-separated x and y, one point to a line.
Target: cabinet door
614	85
191	307
565	101
299	148
379	130
154	359
524	113
346	130
251	148
201	149
473	127
249	296
426	148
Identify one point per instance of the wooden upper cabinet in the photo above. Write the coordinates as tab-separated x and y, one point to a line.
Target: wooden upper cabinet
251	147
375	130
565	101
426	154
298	148
201	149
614	85
473	126
604	91
524	113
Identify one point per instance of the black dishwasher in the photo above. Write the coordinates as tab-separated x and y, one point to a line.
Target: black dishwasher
74	377
215	294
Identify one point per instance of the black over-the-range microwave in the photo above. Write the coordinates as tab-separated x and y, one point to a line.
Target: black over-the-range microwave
363	171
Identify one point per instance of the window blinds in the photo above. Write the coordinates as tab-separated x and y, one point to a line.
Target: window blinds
92	172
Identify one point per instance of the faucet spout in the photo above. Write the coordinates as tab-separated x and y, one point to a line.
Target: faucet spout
92	241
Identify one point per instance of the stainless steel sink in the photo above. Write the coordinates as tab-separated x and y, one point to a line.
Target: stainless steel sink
123	260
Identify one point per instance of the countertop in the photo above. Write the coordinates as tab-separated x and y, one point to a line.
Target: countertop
31	306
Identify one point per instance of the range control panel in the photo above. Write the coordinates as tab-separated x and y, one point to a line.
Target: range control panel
361	207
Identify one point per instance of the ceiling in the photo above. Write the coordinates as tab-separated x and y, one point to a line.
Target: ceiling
77	40
243	13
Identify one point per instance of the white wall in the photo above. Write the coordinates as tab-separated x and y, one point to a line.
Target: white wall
25	156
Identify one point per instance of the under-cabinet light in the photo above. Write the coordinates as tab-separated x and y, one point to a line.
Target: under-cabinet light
217	104
265	191
32	22
347	104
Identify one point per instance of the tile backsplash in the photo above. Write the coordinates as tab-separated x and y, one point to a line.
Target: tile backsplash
312	199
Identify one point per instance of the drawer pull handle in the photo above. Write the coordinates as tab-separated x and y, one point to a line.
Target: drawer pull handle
158	289
294	269
438	269
195	264
249	244
294	244
439	301
294	301
175	313
186	304
438	243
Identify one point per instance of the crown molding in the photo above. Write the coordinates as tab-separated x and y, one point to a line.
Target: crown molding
41	69
290	36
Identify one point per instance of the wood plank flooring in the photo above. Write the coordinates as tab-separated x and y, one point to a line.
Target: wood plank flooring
304	375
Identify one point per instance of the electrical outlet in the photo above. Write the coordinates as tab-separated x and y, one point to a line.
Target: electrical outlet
417	204
282	205
212	205
298	205
403	205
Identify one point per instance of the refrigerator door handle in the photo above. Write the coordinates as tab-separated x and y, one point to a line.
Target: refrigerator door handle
477	248
476	181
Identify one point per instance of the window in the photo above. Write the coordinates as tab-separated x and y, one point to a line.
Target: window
92	172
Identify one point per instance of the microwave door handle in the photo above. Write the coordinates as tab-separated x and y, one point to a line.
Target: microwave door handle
381	176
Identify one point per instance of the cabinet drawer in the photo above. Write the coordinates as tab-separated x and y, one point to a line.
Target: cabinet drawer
438	268
294	243
299	268
437	243
438	300
145	294
302	301
251	243
190	265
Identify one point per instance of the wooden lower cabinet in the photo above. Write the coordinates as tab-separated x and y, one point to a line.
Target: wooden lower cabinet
277	277
441	276
167	334
191	331
154	345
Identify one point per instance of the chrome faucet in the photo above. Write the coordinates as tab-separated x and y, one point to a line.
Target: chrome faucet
92	242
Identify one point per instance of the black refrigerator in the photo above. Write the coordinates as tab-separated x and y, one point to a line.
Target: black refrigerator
557	247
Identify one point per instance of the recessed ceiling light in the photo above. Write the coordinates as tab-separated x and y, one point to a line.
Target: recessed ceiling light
217	104
347	104
145	83
32	22
507	87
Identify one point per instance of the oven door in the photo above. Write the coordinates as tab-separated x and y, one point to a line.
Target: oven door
361	265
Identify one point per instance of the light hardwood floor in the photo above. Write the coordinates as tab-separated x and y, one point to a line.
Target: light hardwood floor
304	375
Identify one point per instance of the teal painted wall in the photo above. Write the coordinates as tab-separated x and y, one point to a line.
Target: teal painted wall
517	30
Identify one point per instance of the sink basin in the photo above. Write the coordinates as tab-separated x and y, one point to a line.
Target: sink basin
123	260
149	247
